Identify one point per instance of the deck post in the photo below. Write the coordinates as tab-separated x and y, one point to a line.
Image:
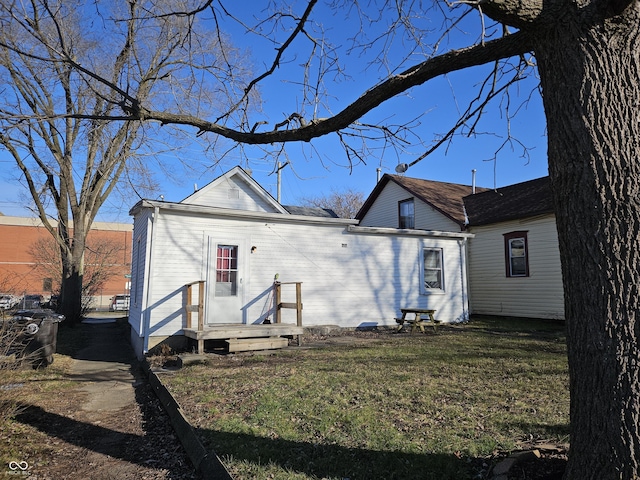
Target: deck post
201	306
299	303
280	305
188	303
278	299
299	309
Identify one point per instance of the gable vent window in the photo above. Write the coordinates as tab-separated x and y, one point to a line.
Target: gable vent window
516	254
234	194
406	214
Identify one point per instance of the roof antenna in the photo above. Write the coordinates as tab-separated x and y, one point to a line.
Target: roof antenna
402	167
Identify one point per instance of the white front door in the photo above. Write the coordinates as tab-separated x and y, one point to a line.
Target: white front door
225	280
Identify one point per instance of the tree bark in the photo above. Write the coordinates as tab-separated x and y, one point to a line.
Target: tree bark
71	287
589	64
71	292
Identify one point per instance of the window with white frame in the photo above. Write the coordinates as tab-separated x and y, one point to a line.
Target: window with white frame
406	214
516	254
433	272
226	271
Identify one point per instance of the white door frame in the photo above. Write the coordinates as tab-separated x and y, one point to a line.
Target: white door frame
221	310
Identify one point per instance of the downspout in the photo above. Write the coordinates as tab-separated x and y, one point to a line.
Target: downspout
149	282
463	276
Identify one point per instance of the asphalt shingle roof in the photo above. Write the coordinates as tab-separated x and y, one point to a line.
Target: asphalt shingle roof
521	200
486	206
310	211
444	197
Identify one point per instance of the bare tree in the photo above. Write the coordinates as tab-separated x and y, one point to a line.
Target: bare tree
587	55
103	260
52	114
345	203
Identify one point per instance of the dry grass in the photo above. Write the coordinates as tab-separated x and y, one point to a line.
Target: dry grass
383	405
22	385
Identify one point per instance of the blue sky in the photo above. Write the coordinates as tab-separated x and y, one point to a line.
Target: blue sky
318	170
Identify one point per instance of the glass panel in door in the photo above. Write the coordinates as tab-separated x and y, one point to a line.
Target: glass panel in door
226	271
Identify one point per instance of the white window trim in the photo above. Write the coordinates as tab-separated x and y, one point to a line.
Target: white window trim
432	291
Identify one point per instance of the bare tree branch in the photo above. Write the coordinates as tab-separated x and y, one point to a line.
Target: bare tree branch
512	45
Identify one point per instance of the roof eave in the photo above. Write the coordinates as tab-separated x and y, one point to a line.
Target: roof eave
244	214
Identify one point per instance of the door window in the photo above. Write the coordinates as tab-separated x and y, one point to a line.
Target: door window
227	271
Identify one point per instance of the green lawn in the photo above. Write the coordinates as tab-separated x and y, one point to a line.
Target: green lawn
394	406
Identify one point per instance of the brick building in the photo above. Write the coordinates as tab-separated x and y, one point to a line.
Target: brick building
27	252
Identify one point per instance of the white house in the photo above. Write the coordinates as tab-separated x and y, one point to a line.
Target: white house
513	261
237	238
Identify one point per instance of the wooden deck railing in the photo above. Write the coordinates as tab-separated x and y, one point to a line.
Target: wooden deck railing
190	307
280	305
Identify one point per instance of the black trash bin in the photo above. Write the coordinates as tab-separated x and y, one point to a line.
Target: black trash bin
38	334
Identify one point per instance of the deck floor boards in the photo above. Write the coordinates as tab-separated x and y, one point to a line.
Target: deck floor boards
226	331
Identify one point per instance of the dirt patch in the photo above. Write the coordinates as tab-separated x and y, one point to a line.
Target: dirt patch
58	439
92	414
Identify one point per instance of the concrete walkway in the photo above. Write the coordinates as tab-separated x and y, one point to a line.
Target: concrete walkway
107	367
109	372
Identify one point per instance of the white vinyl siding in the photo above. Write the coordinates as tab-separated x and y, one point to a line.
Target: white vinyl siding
139	261
384	212
232	193
349	279
538	295
351	276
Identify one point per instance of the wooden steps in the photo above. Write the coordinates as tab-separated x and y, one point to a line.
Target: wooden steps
249	344
246	337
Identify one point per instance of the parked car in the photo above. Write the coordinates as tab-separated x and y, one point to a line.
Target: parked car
52	302
119	303
32	301
7	301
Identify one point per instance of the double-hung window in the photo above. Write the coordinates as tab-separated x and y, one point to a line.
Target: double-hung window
433	272
406	213
516	254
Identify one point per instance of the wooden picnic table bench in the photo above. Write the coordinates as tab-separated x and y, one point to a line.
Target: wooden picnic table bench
418	321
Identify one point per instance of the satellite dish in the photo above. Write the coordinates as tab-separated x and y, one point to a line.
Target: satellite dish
402	167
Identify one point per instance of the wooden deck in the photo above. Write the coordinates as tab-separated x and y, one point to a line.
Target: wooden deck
254	337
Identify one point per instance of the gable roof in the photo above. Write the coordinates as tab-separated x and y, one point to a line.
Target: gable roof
201	201
238	175
522	200
444	197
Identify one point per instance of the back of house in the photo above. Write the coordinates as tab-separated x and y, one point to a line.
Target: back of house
237	240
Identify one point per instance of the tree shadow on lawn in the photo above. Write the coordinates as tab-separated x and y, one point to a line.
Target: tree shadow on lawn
313	460
335	461
92	437
155	448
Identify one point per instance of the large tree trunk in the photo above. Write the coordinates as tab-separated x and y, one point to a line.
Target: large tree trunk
590	70
72	277
71	294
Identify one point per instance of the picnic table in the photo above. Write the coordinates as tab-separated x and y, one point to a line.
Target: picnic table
418	321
